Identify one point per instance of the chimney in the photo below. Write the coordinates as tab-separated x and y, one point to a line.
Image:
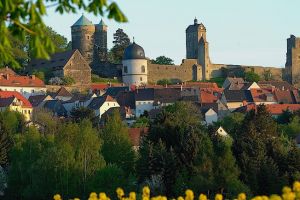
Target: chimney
181	87
6	67
33	77
7	76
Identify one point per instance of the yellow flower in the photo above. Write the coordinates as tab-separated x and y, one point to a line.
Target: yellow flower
289	196
296	186
146	191
242	196
189	195
286	190
219	197
202	197
132	196
102	196
57	197
76	199
180	198
120	193
164	198
265	198
275	197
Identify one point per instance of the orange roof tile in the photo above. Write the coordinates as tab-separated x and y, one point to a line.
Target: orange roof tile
7	94
277	109
20	81
135	135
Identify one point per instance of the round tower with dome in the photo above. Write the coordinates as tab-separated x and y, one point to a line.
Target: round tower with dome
134	71
90	39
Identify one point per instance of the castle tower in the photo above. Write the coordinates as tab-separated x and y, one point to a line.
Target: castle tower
134	70
197	46
83	38
100	46
292	65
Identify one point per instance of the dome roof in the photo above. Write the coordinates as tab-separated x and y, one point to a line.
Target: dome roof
134	51
83	21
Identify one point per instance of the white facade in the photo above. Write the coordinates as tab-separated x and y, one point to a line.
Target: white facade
134	72
25	91
105	106
211	116
142	106
221	132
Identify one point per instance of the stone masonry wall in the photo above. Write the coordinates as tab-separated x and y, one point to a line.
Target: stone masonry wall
187	71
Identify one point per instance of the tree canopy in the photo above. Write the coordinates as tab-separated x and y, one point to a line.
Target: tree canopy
163	60
121	41
26	17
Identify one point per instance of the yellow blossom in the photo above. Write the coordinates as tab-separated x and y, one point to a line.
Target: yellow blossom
296	186
275	197
132	196
102	196
242	196
289	196
265	198
180	198
76	199
57	197
286	190
120	193
202	197
189	195
219	197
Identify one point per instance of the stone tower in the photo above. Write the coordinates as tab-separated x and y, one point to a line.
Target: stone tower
197	46
101	42
292	65
90	40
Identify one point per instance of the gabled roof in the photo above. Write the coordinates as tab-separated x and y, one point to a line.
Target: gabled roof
63	92
37	99
262	95
20	97
284	96
167	95
282	85
97	102
237	95
146	94
5	102
126	98
113	91
209	96
206	106
83	21
57	61
56	107
7	70
20	81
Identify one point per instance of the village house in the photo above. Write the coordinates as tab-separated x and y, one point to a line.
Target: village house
14	101
26	85
68	64
102	104
78	101
38	101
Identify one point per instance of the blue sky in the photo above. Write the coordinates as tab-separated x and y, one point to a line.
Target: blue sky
238	31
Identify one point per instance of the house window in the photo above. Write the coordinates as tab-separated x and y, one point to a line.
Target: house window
141	78
143	69
125	69
32	91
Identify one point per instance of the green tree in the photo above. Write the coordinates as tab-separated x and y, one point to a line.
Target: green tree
121	41
292	129
164	82
117	148
82	113
163	60
267	74
26	17
252	76
285	117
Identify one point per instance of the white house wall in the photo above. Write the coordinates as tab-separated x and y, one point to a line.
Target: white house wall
26	91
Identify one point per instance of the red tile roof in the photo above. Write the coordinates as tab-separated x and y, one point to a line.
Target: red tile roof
260	95
7	94
135	135
209	95
274	109
20	81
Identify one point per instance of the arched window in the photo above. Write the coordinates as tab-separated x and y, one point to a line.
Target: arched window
125	69
143	69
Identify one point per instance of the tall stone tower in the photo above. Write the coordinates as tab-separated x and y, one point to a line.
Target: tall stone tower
197	46
292	65
101	42
90	40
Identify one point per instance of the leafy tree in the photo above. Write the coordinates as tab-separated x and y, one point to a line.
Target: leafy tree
232	123
45	119
117	148
81	113
121	41
285	117
252	76
26	17
3	183
141	122
163	60
174	146
39	74
267	74
292	129
67	80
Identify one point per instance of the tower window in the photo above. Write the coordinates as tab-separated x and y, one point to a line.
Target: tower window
88	37
143	69
141	78
125	69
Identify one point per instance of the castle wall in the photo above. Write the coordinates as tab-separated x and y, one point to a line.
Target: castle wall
187	71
